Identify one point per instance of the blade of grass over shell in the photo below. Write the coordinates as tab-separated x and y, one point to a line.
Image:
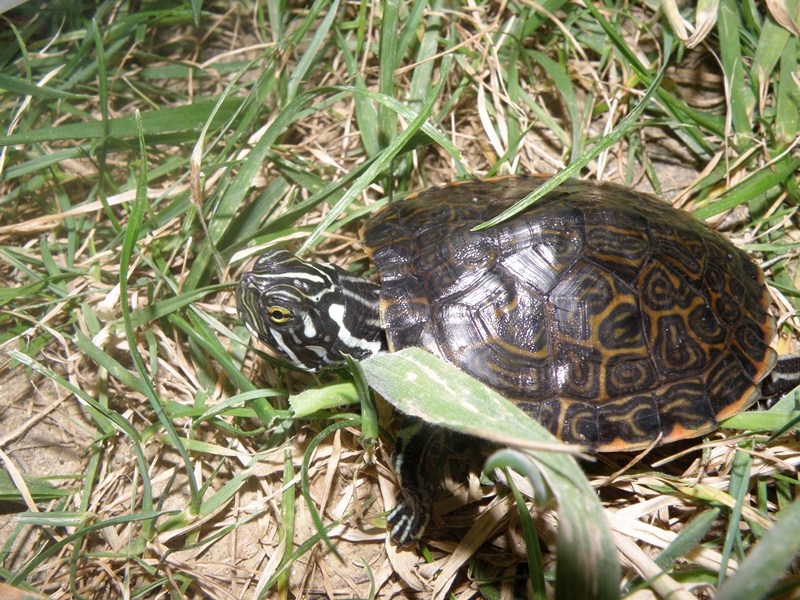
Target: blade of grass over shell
424	386
630	122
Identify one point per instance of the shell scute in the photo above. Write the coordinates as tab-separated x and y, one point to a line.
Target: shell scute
628	420
617	242
683	250
728	387
629	376
685	407
573	421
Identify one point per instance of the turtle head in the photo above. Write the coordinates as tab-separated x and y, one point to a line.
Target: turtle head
313	314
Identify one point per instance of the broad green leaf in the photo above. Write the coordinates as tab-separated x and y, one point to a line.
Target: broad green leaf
422	385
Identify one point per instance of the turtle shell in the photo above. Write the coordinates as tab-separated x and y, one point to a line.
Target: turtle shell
609	316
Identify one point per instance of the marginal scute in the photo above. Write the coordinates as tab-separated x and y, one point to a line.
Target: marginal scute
609	316
572	421
729	389
684	406
631	418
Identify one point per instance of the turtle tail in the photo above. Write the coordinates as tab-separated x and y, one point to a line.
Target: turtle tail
783	378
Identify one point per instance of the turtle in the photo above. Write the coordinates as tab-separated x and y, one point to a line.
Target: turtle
614	319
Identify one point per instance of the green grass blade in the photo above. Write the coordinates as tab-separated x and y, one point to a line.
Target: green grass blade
129	243
534	554
41	489
387	119
310	53
764	565
740	97
20	87
757	183
788	94
164	120
287	518
622	128
381	163
739	484
366	114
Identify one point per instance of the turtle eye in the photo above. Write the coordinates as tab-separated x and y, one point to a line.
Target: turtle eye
279	314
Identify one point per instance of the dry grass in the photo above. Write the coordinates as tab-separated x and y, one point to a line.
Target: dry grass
145	463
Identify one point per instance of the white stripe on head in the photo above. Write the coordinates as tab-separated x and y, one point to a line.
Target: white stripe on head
336	312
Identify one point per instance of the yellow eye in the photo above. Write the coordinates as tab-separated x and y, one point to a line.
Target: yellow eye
278	314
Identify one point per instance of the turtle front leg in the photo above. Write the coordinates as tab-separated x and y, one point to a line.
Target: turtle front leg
412	511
